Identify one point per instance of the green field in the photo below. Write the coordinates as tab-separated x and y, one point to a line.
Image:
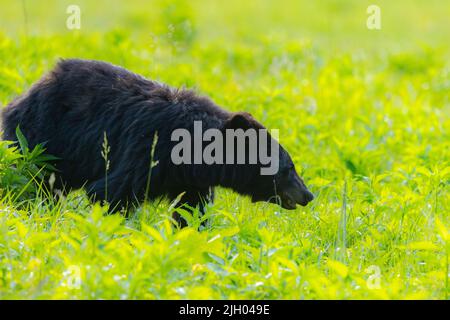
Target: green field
364	114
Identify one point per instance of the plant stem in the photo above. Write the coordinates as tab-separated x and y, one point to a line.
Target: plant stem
152	164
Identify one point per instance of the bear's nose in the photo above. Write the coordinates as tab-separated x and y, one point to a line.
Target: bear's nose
309	196
306	198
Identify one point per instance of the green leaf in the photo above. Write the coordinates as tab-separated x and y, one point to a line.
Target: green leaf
421	245
338	267
442	230
22	141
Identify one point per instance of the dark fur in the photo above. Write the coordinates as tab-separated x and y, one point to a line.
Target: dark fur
71	107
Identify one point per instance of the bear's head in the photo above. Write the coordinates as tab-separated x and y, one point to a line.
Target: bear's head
273	178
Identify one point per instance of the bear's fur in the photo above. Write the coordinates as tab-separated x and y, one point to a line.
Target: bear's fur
72	107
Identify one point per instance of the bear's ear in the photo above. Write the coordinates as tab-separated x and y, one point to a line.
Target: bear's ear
239	120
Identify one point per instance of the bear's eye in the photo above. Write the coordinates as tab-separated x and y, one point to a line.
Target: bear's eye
286	171
290	168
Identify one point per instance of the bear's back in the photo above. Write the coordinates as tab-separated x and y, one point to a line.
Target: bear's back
76	89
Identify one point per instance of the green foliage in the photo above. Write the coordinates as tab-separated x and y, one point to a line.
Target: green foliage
22	170
364	114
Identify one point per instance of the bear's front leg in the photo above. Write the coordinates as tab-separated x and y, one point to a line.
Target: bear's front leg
115	193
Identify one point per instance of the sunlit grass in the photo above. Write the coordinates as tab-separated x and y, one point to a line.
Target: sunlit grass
367	127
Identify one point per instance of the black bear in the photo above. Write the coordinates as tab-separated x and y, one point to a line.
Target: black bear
80	102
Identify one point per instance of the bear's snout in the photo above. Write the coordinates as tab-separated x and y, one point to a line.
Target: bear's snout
291	197
295	193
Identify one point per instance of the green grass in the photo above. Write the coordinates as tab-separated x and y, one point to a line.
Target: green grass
364	115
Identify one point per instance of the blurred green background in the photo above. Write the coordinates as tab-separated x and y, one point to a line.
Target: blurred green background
363	113
336	22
